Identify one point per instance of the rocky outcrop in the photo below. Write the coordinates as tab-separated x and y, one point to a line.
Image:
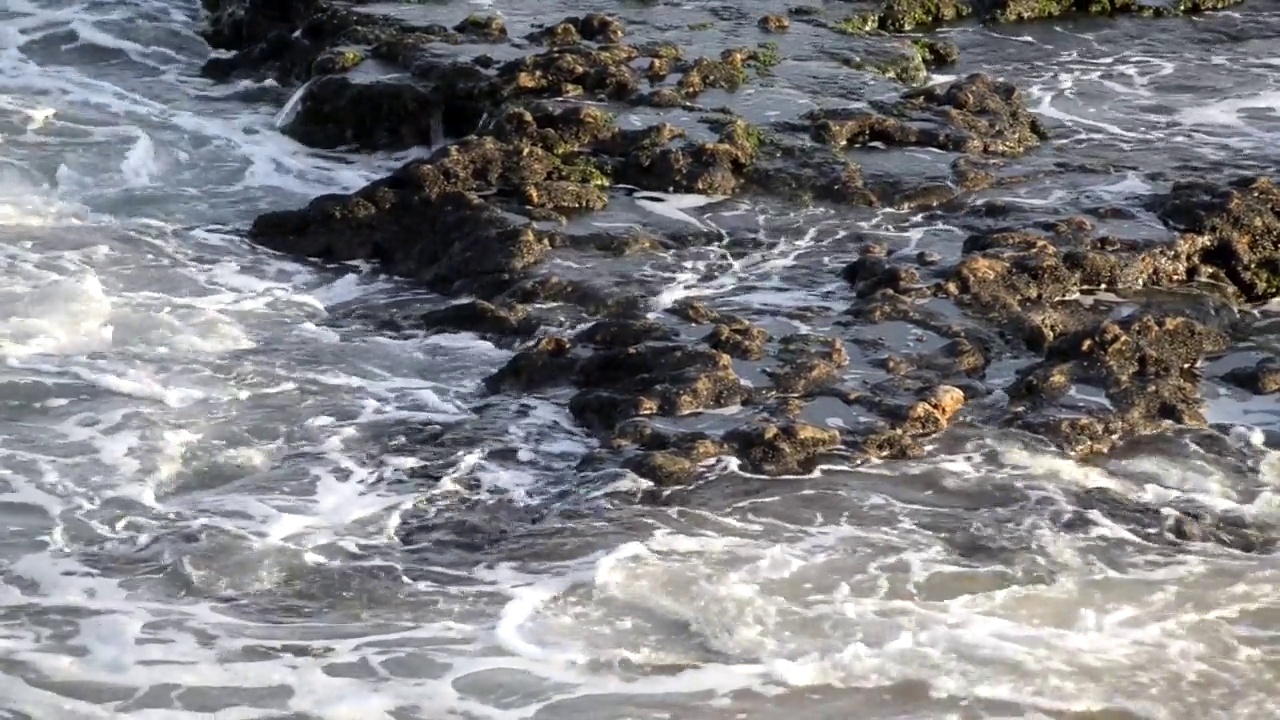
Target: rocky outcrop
523	142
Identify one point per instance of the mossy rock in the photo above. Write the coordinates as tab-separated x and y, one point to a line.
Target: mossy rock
335	61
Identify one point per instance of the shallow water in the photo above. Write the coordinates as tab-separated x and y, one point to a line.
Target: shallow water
224	491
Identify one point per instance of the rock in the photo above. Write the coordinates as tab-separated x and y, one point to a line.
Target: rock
602	410
908	15
745	342
889	444
562	33
1146	345
694	311
335	112
664	469
548	361
973	115
932	414
1184	523
487	27
1233	229
652	379
284	39
786	449
480	317
671	458
774	23
1261	379
1077	436
808	364
937	53
619	334
870	274
595	27
453	241
336	60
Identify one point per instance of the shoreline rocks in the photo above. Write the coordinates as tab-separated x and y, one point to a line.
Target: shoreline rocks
526	141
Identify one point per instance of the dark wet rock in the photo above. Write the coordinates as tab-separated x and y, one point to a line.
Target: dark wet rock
618	334
1261	379
1079	436
596	27
1041	383
594	300
336	60
452	241
793	171
973	115
663	468
1146	346
549	361
564	32
671	379
785	449
804	11
480	317
282	38
337	112
698	313
774	23
745	342
807	364
905	15
969	173
1185	522
870	274
937	53
571	70
648	159
898	59
487	27
888	444
1144	364
958	358
628	242
1015	10
728	72
602	410
1234	229
669	459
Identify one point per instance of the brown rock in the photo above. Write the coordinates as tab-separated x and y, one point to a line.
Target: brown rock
480	317
785	449
744	343
774	23
548	361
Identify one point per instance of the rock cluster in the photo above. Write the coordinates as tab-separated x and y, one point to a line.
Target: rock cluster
525	140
